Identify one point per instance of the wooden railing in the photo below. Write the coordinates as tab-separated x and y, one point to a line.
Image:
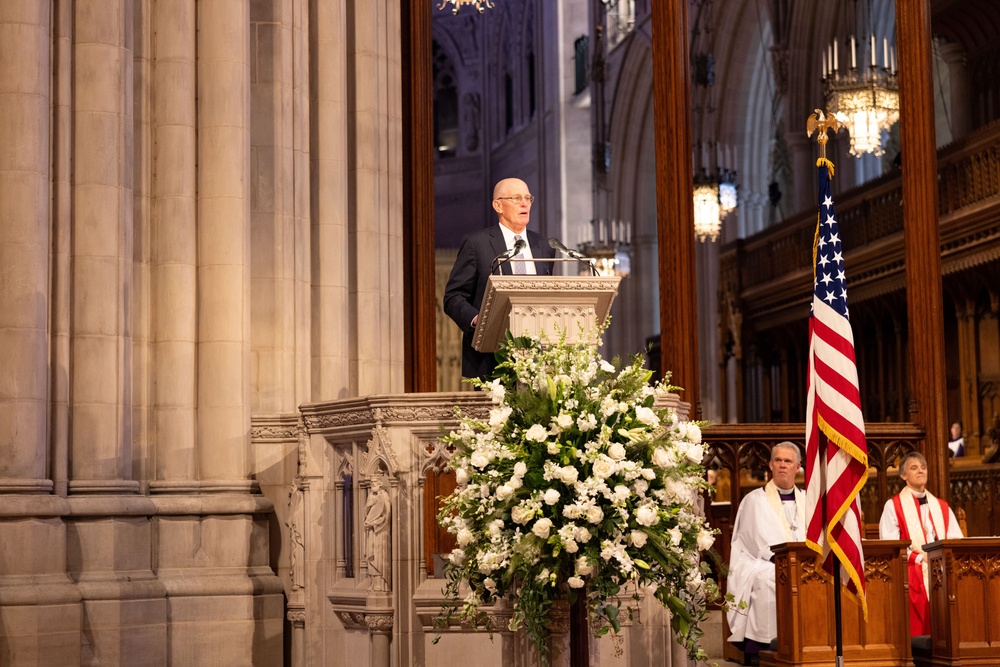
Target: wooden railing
969	174
741	452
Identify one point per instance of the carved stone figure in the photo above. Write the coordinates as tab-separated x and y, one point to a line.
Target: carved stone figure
378	537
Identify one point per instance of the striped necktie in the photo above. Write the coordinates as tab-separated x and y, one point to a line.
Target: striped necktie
518	267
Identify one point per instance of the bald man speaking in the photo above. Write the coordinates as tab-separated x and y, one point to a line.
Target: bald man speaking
467	284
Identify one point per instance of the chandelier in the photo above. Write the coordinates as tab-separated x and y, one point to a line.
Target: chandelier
866	99
480	5
610	248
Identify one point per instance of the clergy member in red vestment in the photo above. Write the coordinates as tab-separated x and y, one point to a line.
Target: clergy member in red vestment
915	514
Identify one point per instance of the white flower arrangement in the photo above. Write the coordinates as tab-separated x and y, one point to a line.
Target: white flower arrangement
576	486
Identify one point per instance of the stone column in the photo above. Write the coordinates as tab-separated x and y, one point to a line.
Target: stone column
174	246
959	101
331	331
968	385
33	557
24	246
100	436
223	239
375	197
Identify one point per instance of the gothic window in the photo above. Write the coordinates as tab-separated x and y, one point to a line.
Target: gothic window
446	126
347	525
580	49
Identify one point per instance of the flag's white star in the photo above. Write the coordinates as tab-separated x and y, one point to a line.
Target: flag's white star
823	261
829	297
841	276
828	202
826	279
821	243
830	220
834	238
843	293
838	257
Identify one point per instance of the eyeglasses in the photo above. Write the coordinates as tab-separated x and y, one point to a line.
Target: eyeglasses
517	199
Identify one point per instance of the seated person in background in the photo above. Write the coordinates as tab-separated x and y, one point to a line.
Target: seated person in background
767	516
914	514
956	443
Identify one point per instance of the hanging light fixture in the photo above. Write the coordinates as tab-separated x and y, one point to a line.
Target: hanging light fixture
707	219
611	248
480	5
865	99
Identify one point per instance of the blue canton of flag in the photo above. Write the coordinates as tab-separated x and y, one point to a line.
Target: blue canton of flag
830	284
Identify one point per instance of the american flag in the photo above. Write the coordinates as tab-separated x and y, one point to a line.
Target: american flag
836	450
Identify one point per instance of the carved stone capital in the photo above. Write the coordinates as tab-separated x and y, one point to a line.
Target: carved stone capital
380	623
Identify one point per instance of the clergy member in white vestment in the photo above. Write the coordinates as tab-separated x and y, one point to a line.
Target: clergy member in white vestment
914	514
767	516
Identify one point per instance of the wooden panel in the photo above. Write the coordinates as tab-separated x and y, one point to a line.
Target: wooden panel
437	540
805	608
965	602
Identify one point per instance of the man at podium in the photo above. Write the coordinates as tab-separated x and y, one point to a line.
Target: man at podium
500	248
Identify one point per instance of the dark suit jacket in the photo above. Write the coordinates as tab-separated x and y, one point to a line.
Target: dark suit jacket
467	285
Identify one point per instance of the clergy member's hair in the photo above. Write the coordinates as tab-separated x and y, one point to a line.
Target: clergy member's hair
906	459
788	445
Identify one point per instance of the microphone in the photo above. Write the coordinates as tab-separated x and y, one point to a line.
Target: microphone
556	244
519	245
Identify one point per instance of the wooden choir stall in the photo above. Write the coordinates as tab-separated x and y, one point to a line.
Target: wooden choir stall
965	603
805	607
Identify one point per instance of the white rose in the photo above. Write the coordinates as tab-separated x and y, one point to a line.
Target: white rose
616	451
504	491
646	516
638	538
692	432
604	467
538	433
490	585
571	546
520	468
581	534
583	566
607	367
553	448
457	557
595	514
696	453
647	416
464	537
575	582
662	458
462	476
564	420
640	486
521	515
675	535
551	497
648	473
542	528
479	459
705	540
568	475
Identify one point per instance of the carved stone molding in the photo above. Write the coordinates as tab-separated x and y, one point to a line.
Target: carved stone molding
380	623
275	428
297	617
352	620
